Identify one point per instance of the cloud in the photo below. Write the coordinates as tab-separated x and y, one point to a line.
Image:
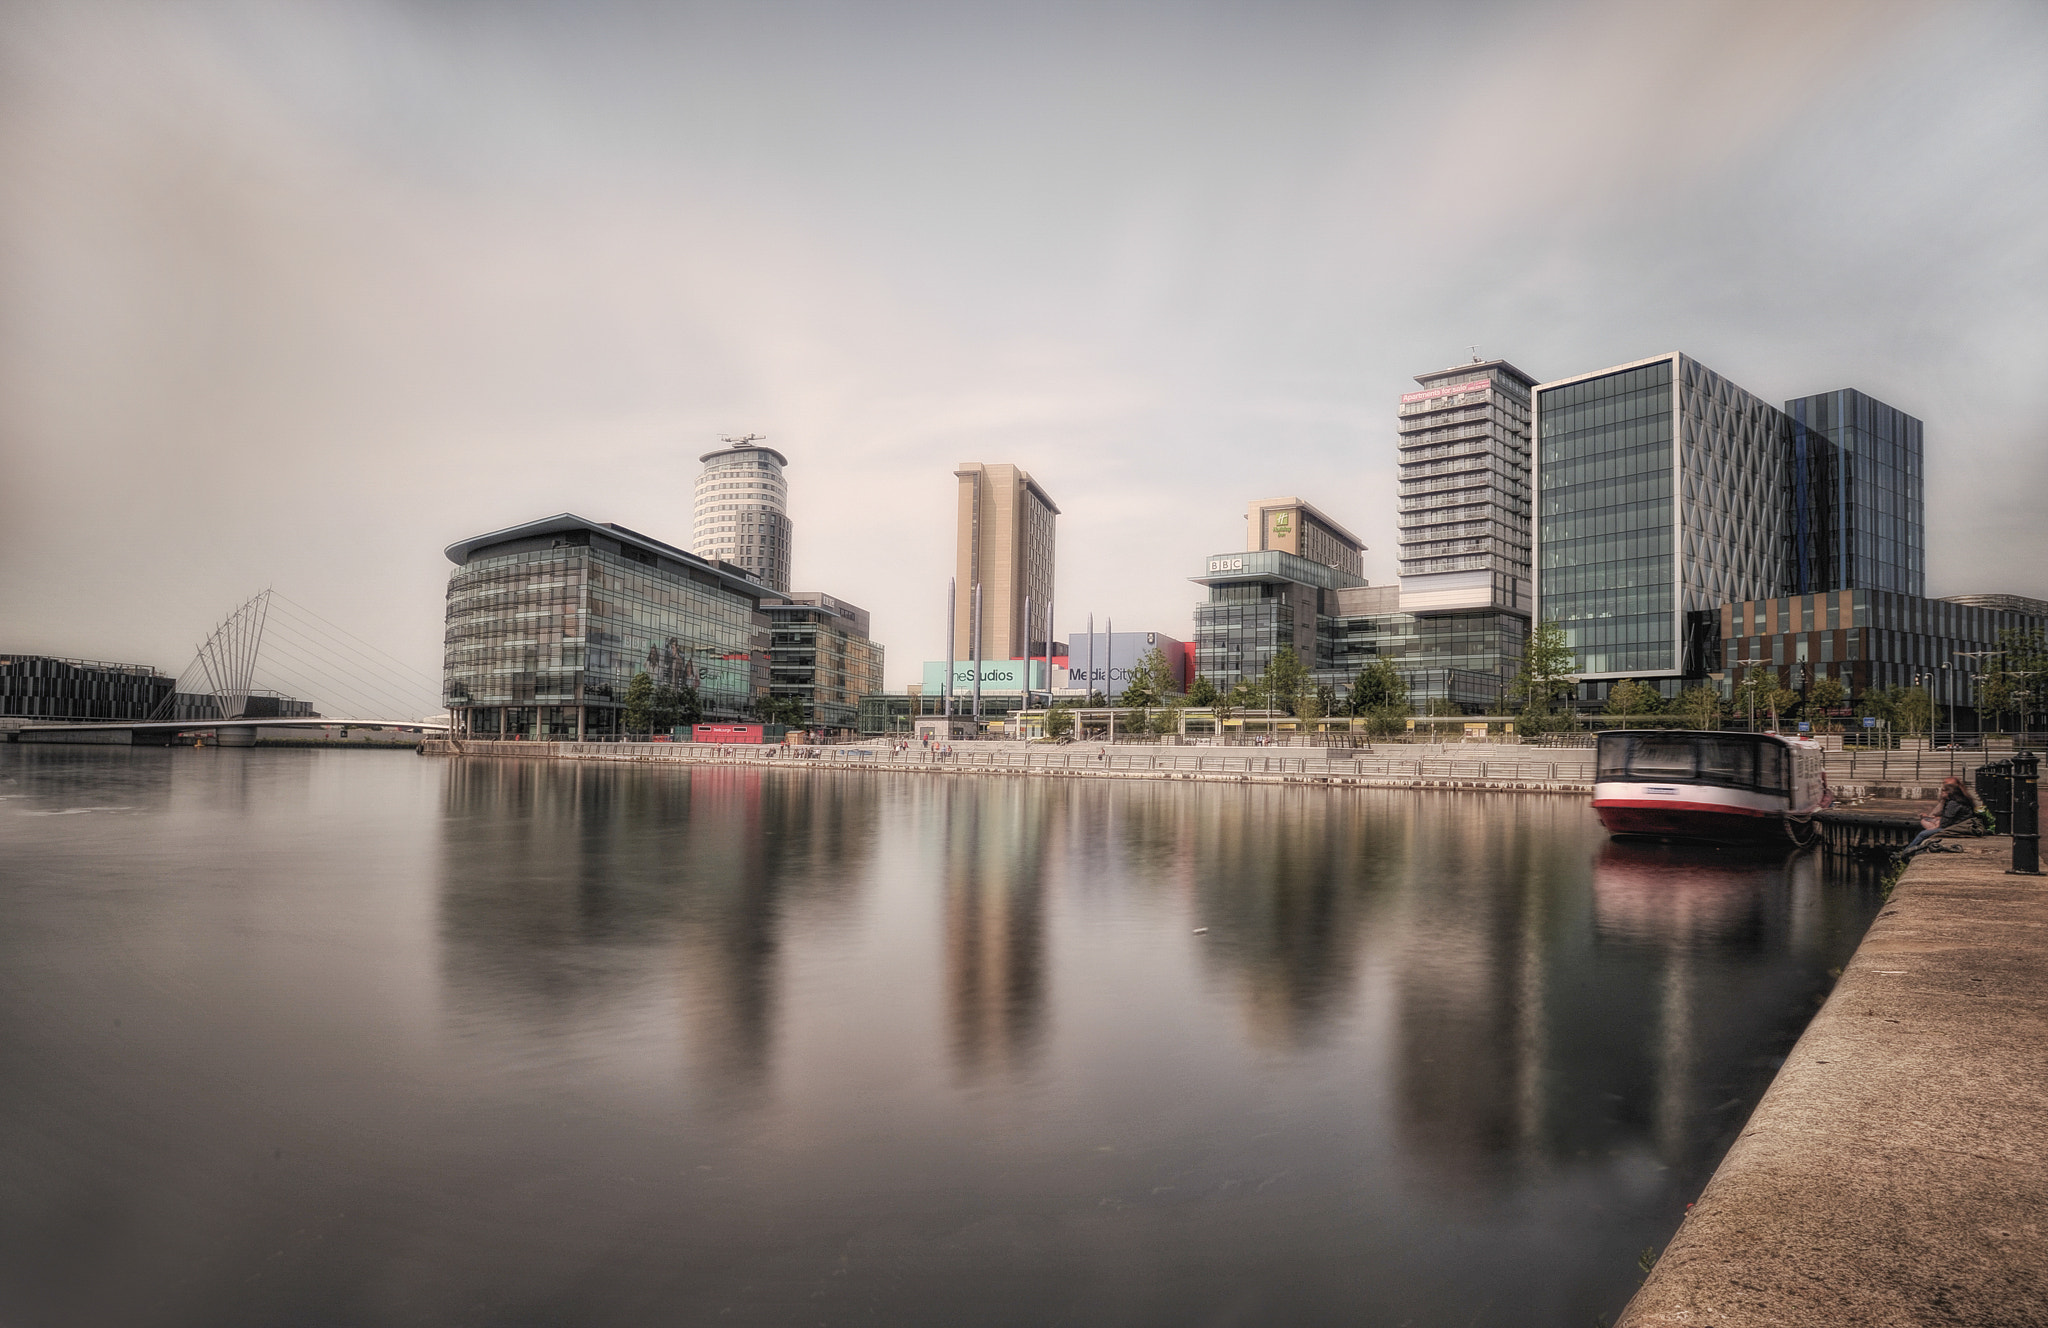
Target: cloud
299	296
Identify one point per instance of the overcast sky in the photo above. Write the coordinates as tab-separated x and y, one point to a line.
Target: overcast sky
296	295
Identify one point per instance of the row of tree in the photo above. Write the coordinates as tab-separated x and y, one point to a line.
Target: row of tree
653	707
2014	682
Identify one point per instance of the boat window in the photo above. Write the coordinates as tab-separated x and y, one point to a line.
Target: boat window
1728	761
1770	766
1613	756
1661	758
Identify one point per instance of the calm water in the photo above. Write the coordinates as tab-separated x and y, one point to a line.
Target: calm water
356	1038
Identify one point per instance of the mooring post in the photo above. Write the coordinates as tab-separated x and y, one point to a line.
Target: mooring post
2026	815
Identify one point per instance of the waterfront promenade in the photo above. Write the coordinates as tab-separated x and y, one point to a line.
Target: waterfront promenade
1498	766
1896	1173
1449	766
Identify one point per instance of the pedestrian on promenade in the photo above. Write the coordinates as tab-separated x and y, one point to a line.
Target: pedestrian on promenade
1954	807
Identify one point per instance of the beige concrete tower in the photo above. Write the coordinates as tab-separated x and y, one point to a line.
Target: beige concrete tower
1006	545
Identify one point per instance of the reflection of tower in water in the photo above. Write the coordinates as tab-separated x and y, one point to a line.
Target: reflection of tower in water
573	893
726	937
1280	886
995	923
1545	1024
1681	900
1476	1008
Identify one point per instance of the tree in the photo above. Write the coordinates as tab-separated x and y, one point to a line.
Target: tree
1825	696
779	710
1546	679
1701	706
1378	686
1756	691
1442	706
1166	719
1629	697
1151	682
2017	675
1097	701
1781	701
1202	692
1309	705
1283	680
640	714
678	706
1912	709
1059	722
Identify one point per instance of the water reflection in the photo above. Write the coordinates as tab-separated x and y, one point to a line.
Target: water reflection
569	889
1485	920
994	900
525	1041
1287	886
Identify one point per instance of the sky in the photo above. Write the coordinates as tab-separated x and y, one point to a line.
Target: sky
297	295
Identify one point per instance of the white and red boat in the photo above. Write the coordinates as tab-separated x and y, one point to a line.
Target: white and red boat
1685	784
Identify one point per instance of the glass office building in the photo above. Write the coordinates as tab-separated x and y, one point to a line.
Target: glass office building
548	622
1858	497
1338	624
820	656
1259	602
1660	495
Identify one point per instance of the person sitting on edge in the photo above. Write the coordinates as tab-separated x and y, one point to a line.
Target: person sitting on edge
1953	807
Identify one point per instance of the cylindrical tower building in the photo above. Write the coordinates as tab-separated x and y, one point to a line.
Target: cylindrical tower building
741	514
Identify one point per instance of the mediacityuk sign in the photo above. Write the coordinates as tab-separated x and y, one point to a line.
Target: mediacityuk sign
1477	385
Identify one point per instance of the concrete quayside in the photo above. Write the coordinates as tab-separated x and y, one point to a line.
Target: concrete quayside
1896	1173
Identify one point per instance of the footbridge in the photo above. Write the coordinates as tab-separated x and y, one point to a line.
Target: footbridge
236	688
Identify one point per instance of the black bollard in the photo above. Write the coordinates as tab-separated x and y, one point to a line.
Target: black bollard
2026	815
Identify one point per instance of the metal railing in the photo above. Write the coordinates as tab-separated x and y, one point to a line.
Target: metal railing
1529	766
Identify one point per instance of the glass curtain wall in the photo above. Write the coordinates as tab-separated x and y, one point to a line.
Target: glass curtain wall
1607	565
1871	531
1240	629
550	635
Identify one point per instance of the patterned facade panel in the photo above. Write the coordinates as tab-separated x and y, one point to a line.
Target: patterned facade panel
1733	512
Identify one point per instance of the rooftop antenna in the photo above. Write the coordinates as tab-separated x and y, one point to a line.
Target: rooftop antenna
1475	355
744	439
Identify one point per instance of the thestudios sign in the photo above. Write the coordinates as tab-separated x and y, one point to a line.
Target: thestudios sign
997	675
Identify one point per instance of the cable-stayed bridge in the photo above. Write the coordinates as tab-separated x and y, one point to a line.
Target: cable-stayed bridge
261	669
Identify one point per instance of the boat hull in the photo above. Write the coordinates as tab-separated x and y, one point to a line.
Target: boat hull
1690	811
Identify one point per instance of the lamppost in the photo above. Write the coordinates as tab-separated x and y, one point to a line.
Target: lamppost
1976	674
1749	688
2025	696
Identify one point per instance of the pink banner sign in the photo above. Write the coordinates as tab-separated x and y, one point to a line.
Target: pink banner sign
1478	386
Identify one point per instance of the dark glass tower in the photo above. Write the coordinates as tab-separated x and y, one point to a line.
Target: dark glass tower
1858	501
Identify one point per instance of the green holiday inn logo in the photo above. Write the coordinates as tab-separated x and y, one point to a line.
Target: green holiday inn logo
1283	525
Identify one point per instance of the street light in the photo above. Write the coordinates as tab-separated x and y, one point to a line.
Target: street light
1978	675
1751	689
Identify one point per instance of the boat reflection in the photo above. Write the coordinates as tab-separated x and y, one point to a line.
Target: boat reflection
1644	890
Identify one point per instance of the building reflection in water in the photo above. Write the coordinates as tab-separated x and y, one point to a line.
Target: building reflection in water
569	889
1286	886
996	833
1543	1023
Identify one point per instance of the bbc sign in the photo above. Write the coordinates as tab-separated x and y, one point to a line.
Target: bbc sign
1226	564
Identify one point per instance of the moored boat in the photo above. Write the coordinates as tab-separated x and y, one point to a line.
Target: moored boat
1686	784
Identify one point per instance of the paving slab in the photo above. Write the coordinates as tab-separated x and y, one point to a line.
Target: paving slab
1896	1173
